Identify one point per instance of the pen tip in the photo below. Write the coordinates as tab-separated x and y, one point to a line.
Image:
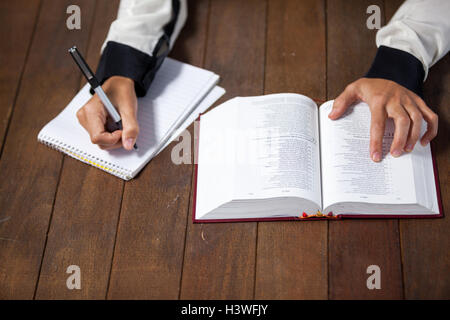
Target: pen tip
136	147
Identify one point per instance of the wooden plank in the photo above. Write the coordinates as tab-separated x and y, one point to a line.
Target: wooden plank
219	260
356	244
17	22
85	214
29	170
149	250
292	257
390	7
425	243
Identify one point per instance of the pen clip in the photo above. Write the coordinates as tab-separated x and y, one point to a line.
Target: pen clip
81	63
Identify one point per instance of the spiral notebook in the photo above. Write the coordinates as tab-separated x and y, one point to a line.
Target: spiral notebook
179	93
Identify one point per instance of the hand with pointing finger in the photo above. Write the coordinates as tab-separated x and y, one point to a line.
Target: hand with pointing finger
387	99
93	115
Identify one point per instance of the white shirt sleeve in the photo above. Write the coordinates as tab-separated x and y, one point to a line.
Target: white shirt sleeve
140	23
140	39
421	28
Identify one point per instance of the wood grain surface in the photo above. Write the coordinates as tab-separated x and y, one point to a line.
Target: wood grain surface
354	245
136	240
288	264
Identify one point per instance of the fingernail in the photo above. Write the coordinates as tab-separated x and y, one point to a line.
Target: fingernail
409	148
331	113
396	153
425	142
376	156
129	143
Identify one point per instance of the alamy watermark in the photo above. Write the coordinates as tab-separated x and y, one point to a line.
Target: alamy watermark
74	19
74	280
374	20
374	280
230	146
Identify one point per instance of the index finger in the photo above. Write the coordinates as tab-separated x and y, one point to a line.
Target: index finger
95	125
343	101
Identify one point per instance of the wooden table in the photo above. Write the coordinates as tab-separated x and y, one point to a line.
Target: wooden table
136	239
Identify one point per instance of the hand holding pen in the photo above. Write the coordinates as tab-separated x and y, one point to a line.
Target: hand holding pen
111	123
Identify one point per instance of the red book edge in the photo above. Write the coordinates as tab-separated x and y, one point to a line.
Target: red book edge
324	217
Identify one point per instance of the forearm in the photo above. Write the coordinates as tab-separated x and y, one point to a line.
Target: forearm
140	39
417	36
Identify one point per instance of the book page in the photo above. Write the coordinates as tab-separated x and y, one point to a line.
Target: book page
259	148
349	174
424	176
215	170
277	153
207	102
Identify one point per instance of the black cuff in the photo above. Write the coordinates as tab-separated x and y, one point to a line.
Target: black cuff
399	66
122	60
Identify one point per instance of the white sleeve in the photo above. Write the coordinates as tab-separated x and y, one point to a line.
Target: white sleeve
140	23
421	28
140	39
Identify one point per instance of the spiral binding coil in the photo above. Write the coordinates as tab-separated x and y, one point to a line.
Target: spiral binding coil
85	157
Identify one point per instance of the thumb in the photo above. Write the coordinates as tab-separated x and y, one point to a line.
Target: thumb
341	103
130	129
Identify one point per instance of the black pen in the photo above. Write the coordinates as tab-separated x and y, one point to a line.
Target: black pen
95	85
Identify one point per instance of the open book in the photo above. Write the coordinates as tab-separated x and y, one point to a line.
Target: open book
280	157
179	93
